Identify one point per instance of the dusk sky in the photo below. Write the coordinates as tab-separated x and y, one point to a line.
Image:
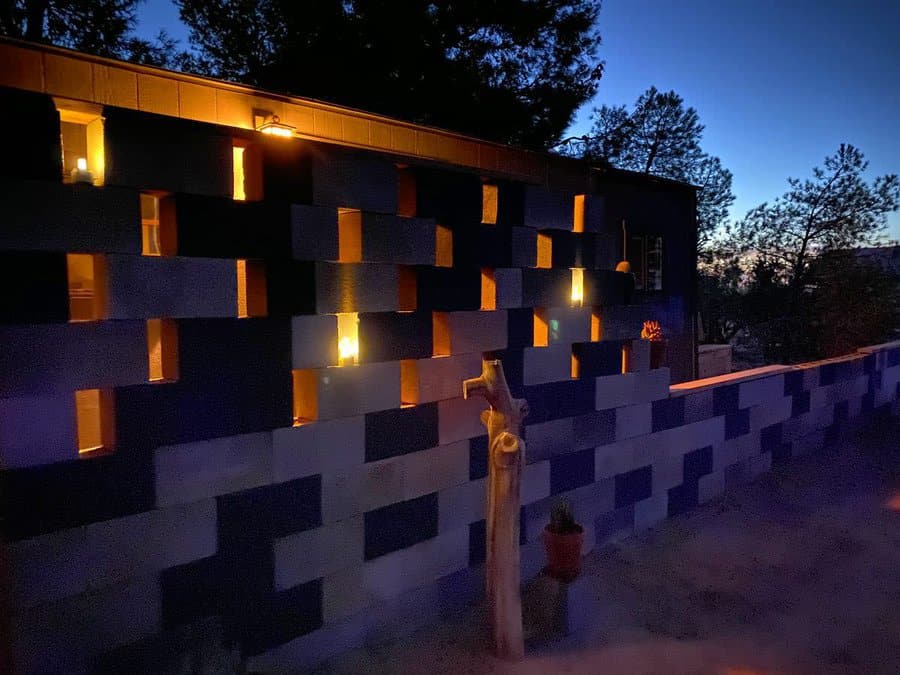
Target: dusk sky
779	85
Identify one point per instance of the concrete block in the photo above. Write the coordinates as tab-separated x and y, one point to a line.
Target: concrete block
353	180
710	486
314	232
523	247
314	341
809	443
532	559
545	439
190	472
395	239
634	420
776	409
441	377
84	559
698	406
326	447
143	287
638	356
65	357
308	555
667	473
613	459
465	503
541	365
759	391
37	430
460	419
816	419
509	287
480	331
362	488
567	325
435	469
713	360
760	464
651	511
535	482
354	390
594	429
548	208
65	636
356	287
632	388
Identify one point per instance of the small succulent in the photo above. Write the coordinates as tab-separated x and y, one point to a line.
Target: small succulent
652	331
562	521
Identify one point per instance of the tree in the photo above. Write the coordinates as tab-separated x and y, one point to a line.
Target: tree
508	70
659	136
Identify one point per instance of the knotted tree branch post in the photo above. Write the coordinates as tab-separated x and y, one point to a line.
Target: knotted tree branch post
506	457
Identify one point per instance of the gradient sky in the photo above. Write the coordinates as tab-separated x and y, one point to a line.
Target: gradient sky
779	85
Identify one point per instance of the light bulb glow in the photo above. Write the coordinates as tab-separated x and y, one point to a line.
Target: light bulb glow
577	287
348	339
81	163
272	126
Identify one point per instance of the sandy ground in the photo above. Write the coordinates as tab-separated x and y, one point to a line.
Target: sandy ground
796	573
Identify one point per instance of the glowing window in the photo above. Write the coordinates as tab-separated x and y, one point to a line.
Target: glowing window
237	164
406	288
349	235
440	334
94	420
409	383
87	286
251	289
578	215
489	197
488	289
541	328
157	224
406	192
306	406
443	249
162	350
348	338
544	251
81	137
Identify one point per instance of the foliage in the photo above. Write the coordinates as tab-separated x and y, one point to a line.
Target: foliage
562	520
508	70
660	136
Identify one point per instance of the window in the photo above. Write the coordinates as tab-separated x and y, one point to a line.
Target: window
162	350
81	137
94	421
488	289
157	224
489	197
251	289
646	258
87	286
306	406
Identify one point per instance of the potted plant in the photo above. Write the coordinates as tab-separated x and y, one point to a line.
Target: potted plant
563	539
653	333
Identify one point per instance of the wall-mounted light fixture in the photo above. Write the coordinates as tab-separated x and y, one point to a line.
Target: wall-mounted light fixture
348	338
577	286
272	125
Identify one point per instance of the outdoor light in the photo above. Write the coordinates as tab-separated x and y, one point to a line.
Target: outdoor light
273	126
348	339
80	173
577	286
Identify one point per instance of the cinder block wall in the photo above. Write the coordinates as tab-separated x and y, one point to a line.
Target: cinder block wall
215	525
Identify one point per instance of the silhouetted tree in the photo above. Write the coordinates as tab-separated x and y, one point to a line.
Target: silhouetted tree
660	136
509	70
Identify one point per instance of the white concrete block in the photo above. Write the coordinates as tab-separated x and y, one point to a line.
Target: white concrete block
509	287
189	472
710	486
667	473
460	419
639	356
698	406
326	446
776	409
355	390
37	430
816	419
82	559
545	439
435	469
535	482
634	420
651	511
613	459
547	364
314	341
479	331
441	377
613	391
311	554
462	504
651	385
756	392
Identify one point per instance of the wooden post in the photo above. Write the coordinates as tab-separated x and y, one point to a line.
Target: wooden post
506	457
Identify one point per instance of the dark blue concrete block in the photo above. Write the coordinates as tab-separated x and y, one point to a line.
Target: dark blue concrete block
571	470
477	544
799	403
682	497
547	288
868	402
261	514
842	411
32	147
478	457
448	289
565	245
893	357
698	463
782	453
556	400
793	382
605	287
668	413
287	172
833	433
596	359
828	373
510	203
725	400
586	250
614	522
450	197
191	591
392	336
737	423
869	364
520	327
52	497
596	428
737	473
875	382
634	486
400	525
513	367
290	287
390	433
37	287
482	246
770	438
280	617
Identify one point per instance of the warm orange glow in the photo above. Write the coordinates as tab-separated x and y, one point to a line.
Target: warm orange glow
273	126
893	504
409	383
576	367
406	288
544	251
251	289
578	216
162	349
349	235
577	286
306	401
440	333
541	329
94	420
237	163
158	235
406	192
626	358
82	140
348	338
87	286
443	248
596	326
652	331
488	289
489	198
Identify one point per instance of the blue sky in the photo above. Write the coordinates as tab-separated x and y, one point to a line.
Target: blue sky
779	85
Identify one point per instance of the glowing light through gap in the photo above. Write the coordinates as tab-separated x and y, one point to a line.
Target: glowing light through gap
237	154
348	339
577	286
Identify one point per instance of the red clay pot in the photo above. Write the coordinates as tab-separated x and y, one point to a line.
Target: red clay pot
563	553
657	353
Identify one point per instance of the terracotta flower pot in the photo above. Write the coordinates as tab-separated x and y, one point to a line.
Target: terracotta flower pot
657	353
563	553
